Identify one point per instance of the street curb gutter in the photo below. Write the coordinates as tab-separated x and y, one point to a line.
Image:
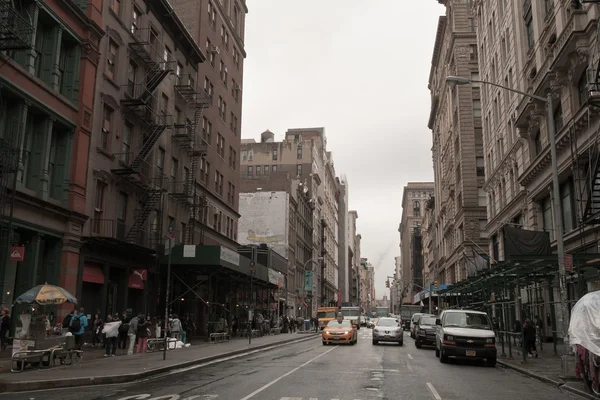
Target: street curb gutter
560	384
21	386
530	374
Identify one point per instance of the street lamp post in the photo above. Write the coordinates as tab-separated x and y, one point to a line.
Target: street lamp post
558	225
307	291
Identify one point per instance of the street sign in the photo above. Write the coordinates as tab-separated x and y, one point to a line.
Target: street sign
17	253
171	230
569	262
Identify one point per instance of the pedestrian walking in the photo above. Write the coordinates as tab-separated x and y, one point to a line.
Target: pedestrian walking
77	327
4	328
132	333
529	336
110	329
143	331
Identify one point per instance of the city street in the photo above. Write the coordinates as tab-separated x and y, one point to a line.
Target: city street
311	371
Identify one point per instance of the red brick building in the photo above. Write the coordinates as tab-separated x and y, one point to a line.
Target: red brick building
49	57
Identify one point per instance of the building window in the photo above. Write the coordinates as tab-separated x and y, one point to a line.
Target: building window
481	198
126	142
529	32
477	108
416	208
250	170
136	16
244	155
547	217
274	154
480	165
220	146
538	142
112	59
470	25
174	169
473	52
160	161
567	201
558	118
582	88
223	73
273	168
99	206
299	152
299	170
212	15
131	78
258	170
482	232
115	6
266	168
106	128
206	130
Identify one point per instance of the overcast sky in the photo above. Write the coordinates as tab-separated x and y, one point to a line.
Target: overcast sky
359	69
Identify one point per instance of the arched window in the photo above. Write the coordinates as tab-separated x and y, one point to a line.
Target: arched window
416	208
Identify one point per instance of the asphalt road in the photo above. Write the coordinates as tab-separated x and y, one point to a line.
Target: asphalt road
311	371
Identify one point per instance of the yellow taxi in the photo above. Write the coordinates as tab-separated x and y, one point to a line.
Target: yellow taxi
339	330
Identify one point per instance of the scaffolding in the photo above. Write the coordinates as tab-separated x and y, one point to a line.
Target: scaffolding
186	136
139	101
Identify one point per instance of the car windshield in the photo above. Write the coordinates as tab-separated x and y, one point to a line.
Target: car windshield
350	313
416	317
335	324
326	314
387	322
427	321
467	320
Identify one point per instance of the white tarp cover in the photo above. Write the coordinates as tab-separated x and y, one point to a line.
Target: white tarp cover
584	328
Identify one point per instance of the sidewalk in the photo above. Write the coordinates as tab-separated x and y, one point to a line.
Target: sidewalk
546	368
98	370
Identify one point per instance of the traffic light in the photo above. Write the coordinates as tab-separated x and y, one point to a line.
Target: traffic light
387	283
437	285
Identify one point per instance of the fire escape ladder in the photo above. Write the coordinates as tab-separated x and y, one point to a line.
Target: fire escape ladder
591	213
148	203
16	27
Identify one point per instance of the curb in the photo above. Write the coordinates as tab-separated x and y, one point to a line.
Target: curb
524	371
578	392
22	386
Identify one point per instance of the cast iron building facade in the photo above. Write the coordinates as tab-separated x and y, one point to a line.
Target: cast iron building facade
458	154
49	56
413	204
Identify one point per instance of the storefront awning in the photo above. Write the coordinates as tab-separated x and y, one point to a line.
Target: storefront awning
211	258
93	274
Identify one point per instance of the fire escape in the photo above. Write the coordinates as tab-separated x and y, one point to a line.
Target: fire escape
589	185
186	136
16	32
140	102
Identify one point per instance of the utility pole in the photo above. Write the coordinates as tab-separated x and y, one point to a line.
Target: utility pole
168	290
250	301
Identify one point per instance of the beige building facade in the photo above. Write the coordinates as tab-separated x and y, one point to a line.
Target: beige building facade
456	224
413	205
303	154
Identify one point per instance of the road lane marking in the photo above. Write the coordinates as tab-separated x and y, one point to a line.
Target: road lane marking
409	356
433	391
274	381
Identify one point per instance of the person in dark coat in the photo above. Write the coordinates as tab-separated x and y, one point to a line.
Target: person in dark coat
4	328
529	336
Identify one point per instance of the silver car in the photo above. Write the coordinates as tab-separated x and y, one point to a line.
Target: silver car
388	330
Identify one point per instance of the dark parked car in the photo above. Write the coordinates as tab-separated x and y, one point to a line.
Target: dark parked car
425	331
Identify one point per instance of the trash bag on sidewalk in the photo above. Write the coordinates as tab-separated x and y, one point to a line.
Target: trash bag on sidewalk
584	327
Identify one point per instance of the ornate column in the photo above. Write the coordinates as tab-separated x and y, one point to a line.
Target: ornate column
55	75
31	54
22	136
45	153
